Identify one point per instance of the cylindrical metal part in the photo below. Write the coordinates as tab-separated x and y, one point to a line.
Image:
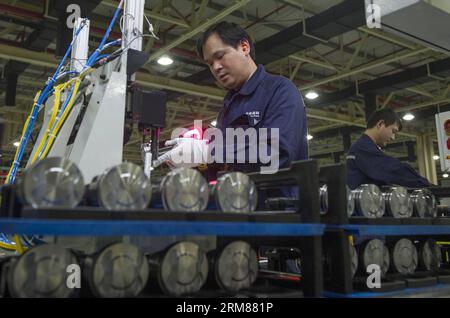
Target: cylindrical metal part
119	270
235	192
235	266
369	201
374	252
353	259
350	202
323	196
181	269
430	256
404	257
398	202
424	203
51	182
122	187
184	190
43	272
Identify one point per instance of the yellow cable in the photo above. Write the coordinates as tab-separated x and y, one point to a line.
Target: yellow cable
38	94
61	120
8	246
69	106
58	90
19	246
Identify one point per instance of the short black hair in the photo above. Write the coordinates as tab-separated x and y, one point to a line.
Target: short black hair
387	115
230	33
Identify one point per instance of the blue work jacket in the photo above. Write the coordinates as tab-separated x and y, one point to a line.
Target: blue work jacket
368	164
268	101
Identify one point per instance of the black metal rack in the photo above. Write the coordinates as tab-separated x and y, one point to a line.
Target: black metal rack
300	228
340	229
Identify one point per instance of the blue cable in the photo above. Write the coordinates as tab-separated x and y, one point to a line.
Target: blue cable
47	90
94	55
101	57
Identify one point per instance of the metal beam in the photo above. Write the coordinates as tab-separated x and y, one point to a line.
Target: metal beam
27	56
385	36
237	4
422	105
312	61
160	82
365	67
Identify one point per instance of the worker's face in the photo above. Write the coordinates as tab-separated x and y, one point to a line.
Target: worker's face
386	133
229	65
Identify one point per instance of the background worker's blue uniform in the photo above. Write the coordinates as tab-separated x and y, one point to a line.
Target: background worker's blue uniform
268	101
368	164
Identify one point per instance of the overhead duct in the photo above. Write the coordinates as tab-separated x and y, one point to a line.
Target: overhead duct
403	17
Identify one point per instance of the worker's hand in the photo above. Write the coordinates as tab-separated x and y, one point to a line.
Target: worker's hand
186	152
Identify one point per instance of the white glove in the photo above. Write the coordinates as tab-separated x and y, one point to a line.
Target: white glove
186	152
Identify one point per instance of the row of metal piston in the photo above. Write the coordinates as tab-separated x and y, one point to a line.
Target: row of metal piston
57	182
370	201
402	256
122	270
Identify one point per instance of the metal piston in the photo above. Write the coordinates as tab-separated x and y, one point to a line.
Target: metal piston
374	252
236	266
430	255
41	273
119	270
184	190
398	202
122	187
404	257
424	203
369	201
181	269
51	182
235	192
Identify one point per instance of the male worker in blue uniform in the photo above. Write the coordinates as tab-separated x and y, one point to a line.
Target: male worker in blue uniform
368	164
255	98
